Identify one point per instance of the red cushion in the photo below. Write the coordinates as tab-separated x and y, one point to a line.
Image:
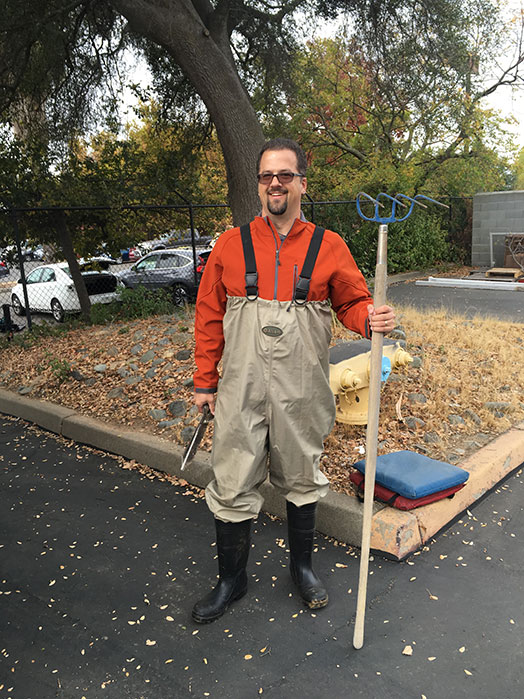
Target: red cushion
398	501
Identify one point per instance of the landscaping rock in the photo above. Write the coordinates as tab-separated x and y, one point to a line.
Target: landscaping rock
170	423
133	366
397	334
395	378
138	335
116	392
414	422
100	368
150	373
24	390
188	383
183	355
136	349
157	414
187	433
417	398
164	341
456	420
170	331
421	447
472	416
498	407
147	357
90	382
113	351
77	375
177	408
416	363
431	438
157	361
132	380
123	372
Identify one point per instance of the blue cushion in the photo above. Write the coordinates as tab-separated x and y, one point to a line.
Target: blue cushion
414	475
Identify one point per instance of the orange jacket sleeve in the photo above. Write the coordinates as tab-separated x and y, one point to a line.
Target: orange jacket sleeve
349	293
209	314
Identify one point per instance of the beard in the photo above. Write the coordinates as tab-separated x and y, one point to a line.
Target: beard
277	208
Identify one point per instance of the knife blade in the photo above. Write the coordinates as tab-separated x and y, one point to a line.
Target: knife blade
192	447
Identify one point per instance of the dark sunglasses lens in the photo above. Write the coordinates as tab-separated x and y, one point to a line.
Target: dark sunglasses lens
283	177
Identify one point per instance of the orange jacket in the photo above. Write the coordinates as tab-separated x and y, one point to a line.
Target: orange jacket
335	276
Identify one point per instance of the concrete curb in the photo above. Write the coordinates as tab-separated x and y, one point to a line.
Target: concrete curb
394	533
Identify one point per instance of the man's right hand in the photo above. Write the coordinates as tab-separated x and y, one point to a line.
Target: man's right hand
202	398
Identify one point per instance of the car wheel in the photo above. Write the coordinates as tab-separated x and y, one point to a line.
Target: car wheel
17	306
180	295
57	310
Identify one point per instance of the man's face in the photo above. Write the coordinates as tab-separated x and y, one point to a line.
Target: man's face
276	198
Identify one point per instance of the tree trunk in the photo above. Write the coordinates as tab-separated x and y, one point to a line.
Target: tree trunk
64	238
204	55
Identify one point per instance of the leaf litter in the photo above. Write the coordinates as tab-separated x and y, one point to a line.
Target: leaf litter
450	368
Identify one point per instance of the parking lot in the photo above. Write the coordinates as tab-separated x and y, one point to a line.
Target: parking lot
7	282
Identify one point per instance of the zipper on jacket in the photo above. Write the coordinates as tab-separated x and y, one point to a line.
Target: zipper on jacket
295	281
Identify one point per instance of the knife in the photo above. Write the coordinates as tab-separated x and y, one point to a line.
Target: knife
192	447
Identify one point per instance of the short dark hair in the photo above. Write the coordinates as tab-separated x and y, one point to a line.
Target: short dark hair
285	144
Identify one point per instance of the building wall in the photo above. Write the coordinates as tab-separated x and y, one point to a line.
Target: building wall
493	212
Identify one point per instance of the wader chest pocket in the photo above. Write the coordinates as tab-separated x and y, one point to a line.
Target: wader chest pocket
272	331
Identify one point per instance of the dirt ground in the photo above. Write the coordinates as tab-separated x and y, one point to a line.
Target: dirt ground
469	374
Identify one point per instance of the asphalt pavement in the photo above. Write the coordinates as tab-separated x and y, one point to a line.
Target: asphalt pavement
100	566
502	305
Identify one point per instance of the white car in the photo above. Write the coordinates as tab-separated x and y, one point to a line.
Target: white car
50	289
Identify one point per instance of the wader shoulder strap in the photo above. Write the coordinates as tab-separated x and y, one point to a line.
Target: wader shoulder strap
251	264
302	287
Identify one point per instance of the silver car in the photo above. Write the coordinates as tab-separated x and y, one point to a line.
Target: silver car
171	269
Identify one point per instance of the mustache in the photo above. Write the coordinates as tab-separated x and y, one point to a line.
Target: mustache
277	190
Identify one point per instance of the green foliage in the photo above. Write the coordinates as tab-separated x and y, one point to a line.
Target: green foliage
60	368
519	170
133	303
417	243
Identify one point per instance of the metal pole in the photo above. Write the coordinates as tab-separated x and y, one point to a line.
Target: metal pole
192	226
14	220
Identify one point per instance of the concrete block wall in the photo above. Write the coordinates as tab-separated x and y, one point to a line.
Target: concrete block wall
493	212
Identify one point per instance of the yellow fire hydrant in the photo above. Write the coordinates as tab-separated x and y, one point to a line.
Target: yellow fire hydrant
349	365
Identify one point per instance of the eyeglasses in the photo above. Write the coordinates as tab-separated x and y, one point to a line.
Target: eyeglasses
283	177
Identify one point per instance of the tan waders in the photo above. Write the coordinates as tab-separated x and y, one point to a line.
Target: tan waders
273	399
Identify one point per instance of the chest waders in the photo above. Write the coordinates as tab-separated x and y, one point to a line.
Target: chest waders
273	399
274	396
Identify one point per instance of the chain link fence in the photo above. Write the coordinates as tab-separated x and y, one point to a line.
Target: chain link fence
60	262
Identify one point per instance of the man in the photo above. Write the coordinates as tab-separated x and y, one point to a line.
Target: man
264	307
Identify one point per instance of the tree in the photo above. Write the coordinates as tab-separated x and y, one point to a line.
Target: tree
398	115
224	51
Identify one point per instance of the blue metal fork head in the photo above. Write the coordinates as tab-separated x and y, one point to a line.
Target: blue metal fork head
395	202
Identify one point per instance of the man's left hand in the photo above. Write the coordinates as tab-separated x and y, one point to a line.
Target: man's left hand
381	319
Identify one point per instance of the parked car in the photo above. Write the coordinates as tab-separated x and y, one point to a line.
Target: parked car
171	269
50	289
4	269
102	260
183	239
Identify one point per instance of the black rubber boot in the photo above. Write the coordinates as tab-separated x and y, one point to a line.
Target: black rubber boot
301	528
233	543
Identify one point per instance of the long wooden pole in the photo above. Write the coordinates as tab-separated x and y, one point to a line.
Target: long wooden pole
375	378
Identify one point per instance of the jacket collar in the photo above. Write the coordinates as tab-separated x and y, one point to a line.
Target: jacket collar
299	225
